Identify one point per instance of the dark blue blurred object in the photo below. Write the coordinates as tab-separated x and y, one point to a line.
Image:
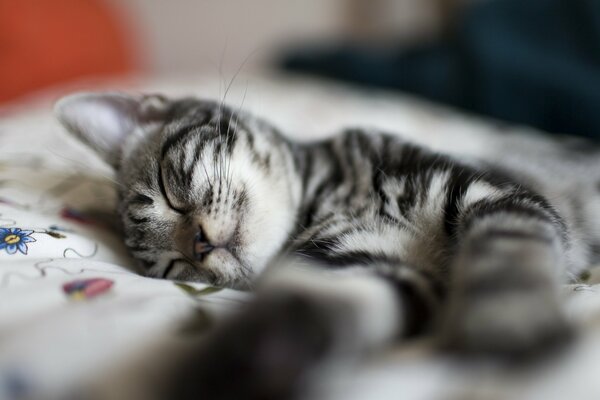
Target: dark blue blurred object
528	61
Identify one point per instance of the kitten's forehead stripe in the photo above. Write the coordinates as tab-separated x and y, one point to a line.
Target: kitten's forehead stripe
175	139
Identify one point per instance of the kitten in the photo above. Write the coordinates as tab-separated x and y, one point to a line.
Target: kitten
391	239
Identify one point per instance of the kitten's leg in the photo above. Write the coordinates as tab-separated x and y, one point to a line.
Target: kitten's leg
510	257
301	320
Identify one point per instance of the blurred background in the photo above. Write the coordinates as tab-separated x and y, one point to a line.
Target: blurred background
535	62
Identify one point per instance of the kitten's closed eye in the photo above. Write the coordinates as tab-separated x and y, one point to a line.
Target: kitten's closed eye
169	199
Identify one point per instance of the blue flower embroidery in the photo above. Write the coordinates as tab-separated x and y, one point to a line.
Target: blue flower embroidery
13	239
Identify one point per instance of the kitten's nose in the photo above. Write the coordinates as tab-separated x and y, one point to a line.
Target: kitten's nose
201	246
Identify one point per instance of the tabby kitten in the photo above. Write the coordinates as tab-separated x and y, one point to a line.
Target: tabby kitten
386	239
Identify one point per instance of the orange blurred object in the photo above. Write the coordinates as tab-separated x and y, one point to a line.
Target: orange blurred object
47	42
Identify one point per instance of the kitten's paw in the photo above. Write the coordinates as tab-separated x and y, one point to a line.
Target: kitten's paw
517	324
264	353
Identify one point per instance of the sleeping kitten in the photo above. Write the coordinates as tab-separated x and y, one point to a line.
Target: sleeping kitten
387	239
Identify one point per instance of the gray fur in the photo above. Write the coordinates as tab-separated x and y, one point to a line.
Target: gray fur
454	240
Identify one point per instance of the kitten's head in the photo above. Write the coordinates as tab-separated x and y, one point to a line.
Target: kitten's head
206	193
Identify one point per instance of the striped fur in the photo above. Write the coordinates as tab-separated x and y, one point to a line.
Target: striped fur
455	241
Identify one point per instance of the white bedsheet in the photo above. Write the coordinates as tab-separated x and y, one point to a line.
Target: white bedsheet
54	200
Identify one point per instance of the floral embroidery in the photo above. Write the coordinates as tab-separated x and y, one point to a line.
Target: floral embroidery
82	289
13	239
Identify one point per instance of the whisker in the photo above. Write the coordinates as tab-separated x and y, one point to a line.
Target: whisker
226	165
229	176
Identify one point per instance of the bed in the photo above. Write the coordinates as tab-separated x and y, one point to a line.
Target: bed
77	320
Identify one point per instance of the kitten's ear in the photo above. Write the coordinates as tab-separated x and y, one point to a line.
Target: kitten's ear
104	121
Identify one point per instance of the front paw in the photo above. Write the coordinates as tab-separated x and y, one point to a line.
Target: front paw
264	353
517	324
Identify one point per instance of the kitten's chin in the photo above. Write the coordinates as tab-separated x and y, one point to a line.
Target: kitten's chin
223	268
245	286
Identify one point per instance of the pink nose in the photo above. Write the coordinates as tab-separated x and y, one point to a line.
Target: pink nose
201	246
